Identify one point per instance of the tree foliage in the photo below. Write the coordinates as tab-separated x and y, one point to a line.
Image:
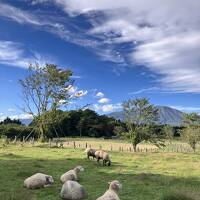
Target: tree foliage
191	132
11	121
45	89
86	123
141	117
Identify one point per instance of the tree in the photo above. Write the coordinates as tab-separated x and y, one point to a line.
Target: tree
141	117
169	132
11	121
191	132
45	89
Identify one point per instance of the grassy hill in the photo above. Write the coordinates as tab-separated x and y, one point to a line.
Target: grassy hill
144	176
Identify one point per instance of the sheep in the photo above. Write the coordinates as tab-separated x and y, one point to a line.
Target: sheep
100	154
90	152
71	174
111	193
38	180
72	190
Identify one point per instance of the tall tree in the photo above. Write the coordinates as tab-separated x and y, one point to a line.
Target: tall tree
140	118
191	132
45	89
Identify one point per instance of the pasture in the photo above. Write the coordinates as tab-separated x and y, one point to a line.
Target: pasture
145	176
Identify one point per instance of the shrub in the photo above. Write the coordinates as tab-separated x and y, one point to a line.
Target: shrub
12	130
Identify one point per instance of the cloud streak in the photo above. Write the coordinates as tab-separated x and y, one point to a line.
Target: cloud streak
162	36
15	54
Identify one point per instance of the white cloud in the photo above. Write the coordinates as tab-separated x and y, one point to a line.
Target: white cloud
164	35
187	109
176	59
19	116
145	90
104	100
107	107
81	93
76	76
100	94
16	15
11	110
14	54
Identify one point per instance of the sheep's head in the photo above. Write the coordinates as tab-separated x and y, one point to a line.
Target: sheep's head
49	180
87	150
115	185
79	169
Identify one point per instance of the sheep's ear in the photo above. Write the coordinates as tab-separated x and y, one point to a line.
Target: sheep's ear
47	179
109	183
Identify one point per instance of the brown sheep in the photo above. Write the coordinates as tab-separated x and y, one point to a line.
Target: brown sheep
102	155
90	152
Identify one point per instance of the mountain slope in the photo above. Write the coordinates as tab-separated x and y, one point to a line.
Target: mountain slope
166	114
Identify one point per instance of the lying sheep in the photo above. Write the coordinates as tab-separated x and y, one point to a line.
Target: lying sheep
38	180
111	193
100	154
90	152
71	174
71	190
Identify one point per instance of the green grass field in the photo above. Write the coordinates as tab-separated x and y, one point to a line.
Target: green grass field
144	176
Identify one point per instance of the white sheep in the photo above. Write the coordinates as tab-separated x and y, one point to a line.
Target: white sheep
100	154
111	193
72	190
38	180
90	152
71	174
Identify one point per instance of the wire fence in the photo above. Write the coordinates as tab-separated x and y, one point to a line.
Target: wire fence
105	145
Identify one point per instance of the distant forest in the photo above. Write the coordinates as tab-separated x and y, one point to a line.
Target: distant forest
74	123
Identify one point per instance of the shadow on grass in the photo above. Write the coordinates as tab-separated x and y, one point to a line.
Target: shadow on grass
141	186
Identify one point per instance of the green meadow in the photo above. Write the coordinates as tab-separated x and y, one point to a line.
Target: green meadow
144	176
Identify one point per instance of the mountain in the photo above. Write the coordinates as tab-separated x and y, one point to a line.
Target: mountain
26	121
166	115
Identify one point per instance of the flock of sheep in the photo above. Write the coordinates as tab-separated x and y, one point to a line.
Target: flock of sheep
71	189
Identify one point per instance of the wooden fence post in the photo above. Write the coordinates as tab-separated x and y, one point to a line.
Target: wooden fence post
33	141
49	143
74	145
15	139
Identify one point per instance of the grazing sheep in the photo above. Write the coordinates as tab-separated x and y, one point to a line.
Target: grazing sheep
71	174
38	180
100	154
90	152
111	193
71	190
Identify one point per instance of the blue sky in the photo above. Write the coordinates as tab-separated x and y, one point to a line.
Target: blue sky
116	49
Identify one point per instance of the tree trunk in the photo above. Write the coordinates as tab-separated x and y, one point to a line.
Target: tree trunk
134	147
42	133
